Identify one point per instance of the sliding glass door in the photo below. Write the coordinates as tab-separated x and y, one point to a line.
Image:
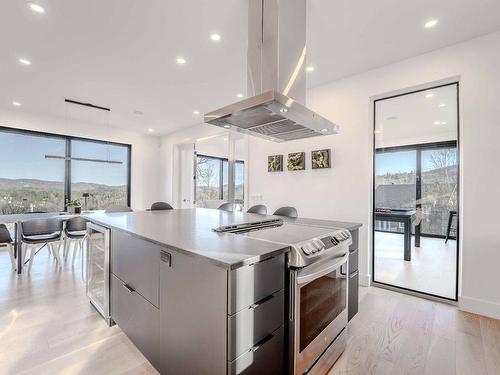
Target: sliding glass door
415	213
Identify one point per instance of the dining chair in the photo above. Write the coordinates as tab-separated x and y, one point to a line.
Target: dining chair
226	207
287	212
118	209
41	231
6	239
258	209
159	206
75	231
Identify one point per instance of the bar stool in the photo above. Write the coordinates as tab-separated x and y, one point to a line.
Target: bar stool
287	212
75	231
258	209
6	239
159	206
41	231
226	207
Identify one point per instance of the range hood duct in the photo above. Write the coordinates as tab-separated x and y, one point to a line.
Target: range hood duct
276	78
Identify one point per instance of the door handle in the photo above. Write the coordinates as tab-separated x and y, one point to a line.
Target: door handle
260	302
261	342
129	288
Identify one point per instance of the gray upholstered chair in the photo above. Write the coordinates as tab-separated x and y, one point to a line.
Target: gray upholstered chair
258	209
6	239
118	209
286	211
75	231
226	207
159	206
41	232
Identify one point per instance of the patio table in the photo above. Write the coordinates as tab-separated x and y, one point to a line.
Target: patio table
402	216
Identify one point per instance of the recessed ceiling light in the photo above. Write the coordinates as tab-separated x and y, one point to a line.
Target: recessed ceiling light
181	60
239	95
215	37
36	7
150	130
324	130
15	103
392	118
24	61
431	23
443	122
139	113
196	112
442	105
272	139
310	68
437	122
429	95
227	126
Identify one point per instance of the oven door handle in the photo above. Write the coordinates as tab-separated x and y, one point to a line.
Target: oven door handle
318	270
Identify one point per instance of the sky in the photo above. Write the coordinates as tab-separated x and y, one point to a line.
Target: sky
23	156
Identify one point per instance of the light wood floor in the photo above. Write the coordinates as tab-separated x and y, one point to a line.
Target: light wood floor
47	326
432	268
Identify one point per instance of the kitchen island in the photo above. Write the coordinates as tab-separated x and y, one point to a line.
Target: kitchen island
194	300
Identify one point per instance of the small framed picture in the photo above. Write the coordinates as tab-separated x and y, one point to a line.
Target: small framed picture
275	163
321	159
296	161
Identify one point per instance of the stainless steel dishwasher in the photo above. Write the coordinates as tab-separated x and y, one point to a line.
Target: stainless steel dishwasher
98	254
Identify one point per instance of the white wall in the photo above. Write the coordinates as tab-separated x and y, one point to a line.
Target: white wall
344	191
146	161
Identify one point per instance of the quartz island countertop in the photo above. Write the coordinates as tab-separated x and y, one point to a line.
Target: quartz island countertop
191	231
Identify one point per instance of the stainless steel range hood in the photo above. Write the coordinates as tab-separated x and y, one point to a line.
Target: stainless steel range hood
276	84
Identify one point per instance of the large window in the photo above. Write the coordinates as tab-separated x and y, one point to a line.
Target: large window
212	180
105	184
39	172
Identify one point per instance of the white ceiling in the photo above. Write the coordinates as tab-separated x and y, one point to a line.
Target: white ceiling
121	53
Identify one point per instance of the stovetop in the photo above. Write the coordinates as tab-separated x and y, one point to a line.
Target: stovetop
308	244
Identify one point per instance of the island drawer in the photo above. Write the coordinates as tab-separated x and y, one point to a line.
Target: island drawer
138	318
137	262
266	357
251	325
249	284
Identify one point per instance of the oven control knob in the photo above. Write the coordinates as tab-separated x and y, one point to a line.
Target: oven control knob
307	249
318	244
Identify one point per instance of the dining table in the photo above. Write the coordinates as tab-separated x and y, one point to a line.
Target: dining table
18	219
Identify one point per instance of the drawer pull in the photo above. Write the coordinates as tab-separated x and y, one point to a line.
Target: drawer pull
261	342
354	274
263	300
129	288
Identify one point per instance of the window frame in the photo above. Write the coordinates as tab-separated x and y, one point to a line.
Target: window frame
221	173
67	163
418	148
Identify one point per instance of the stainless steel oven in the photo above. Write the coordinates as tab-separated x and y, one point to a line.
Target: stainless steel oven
317	314
318	290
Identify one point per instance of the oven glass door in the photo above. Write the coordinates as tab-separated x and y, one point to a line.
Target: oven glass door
321	301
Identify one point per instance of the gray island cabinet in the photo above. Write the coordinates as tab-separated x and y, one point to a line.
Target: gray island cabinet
192	309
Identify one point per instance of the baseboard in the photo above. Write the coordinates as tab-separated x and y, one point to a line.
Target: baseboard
481	307
364	279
